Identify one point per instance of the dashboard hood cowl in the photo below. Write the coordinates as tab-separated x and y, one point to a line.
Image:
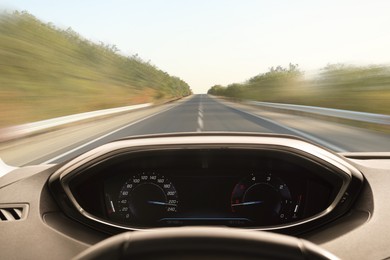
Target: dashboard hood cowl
5	168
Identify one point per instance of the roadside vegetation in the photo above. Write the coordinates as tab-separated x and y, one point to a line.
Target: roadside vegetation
357	88
47	72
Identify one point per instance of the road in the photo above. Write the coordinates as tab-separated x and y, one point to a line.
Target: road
198	113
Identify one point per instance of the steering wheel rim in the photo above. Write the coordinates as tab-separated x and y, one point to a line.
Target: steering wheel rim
204	243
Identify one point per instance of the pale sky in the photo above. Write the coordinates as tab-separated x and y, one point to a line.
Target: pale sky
208	42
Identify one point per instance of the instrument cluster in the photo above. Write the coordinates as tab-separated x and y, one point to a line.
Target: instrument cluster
249	188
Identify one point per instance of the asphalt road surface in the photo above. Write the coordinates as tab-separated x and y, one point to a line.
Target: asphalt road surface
198	113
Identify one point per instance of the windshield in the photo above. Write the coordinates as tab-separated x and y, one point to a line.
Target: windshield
78	74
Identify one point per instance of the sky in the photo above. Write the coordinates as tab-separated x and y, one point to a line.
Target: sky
209	42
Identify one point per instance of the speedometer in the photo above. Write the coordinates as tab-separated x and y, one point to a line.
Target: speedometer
146	198
264	199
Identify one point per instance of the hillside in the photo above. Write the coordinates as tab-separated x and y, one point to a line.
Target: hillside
47	72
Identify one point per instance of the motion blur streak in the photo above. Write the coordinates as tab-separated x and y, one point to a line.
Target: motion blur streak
48	72
364	88
181	116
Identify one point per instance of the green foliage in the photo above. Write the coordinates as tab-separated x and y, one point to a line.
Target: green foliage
216	90
365	88
263	86
276	75
47	71
337	76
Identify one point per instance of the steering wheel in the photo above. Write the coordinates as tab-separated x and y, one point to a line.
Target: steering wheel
203	243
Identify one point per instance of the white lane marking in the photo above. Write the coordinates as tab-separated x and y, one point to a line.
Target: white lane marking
200	116
296	131
200	124
108	134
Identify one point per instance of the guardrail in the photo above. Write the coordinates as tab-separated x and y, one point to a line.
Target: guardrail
339	113
14	132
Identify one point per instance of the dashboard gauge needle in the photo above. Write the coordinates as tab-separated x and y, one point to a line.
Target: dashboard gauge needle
247	203
161	203
112	206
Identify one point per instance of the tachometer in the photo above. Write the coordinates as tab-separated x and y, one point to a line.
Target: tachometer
264	199
146	198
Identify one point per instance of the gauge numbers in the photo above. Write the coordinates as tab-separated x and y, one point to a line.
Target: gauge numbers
146	198
262	198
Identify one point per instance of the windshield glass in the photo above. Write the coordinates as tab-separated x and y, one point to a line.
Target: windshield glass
77	74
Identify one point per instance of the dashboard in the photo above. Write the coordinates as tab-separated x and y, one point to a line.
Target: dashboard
242	182
263	186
